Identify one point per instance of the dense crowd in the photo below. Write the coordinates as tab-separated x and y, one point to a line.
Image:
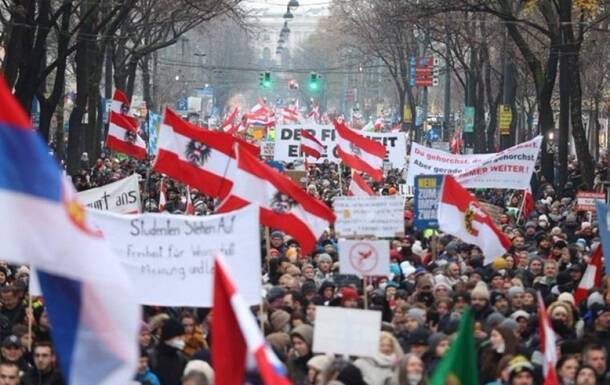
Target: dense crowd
421	299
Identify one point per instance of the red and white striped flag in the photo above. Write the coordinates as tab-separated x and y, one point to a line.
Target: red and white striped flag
199	158
123	136
311	146
260	108
120	103
189	202
456	142
228	124
359	152
284	205
290	115
233	322
548	344
460	214
592	276
315	113
378	124
358	186
162	197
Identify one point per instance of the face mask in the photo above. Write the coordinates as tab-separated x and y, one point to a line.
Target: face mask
176	343
414	378
501	348
383	285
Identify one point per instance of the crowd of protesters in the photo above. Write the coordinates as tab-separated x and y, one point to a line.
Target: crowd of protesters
421	298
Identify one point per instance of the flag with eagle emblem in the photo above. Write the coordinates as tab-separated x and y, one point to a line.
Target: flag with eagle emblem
202	159
461	215
459	365
284	205
359	152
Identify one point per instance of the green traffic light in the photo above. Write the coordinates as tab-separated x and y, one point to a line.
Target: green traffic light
314	81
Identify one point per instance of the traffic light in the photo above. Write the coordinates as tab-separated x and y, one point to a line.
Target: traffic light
314	81
264	80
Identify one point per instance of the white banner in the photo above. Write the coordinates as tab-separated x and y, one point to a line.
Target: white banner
364	257
121	197
350	332
288	139
378	216
170	258
508	169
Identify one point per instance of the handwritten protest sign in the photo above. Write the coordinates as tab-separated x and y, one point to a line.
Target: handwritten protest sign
288	137
508	169
170	258
121	197
585	200
379	216
350	332
364	257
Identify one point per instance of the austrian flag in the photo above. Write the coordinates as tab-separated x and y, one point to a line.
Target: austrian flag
284	205
358	152
123	136
358	186
461	215
311	146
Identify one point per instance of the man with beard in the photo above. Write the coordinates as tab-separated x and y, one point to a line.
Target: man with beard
601	326
595	356
479	300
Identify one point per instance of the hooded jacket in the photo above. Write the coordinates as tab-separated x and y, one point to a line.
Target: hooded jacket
168	364
297	365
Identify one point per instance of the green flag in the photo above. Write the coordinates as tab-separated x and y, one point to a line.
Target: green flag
459	365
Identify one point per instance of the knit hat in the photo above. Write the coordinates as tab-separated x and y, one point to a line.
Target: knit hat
418	336
279	340
499	264
509	324
519	314
480	290
566	297
348	294
200	366
320	363
304	332
279	319
171	329
275	292
593	298
324	257
417	314
518	365
513	291
277	234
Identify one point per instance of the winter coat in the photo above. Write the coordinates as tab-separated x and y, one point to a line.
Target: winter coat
168	364
147	377
35	377
376	370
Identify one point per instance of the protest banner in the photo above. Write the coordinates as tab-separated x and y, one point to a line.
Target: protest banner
121	197
425	203
378	216
508	169
288	137
266	148
169	258
349	332
585	200
364	257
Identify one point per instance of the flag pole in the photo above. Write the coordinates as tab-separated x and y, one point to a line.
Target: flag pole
366	285
340	180
30	321
262	305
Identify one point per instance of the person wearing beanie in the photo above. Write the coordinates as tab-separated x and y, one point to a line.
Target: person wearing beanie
168	361
301	338
349	297
515	297
520	371
319	369
479	300
350	375
438	343
280	321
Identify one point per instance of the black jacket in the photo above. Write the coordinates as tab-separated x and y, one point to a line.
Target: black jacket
168	364
35	377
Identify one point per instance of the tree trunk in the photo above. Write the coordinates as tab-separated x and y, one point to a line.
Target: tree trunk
564	118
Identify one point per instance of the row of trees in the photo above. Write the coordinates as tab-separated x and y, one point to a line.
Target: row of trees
535	55
88	42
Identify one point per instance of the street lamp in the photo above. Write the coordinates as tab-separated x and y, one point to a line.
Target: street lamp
285	30
293	4
288	14
281	41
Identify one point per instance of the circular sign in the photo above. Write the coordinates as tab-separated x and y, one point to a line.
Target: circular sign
363	257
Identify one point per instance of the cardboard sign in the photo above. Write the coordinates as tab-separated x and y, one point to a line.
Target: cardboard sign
266	148
288	137
425	203
170	258
364	257
378	216
350	332
121	197
508	169
585	200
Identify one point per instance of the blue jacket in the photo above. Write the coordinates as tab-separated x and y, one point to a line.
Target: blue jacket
147	378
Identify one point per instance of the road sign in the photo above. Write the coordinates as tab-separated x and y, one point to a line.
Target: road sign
468	119
505	117
181	104
426	196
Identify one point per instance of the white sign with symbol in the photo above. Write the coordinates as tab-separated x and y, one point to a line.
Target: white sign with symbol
364	257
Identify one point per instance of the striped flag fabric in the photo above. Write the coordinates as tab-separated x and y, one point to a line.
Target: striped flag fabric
78	273
228	125
358	186
123	136
233	322
359	152
189	210
548	344
283	204
120	103
591	278
311	146
461	215
290	115
162	197
315	113
200	158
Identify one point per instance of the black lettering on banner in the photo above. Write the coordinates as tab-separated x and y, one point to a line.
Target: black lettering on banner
296	135
328	134
286	134
133	197
293	150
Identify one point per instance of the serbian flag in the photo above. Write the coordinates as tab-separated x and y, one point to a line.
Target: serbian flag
162	197
358	152
548	344
199	158
78	272
592	276
233	323
311	146
461	215
284	205
358	186
123	136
